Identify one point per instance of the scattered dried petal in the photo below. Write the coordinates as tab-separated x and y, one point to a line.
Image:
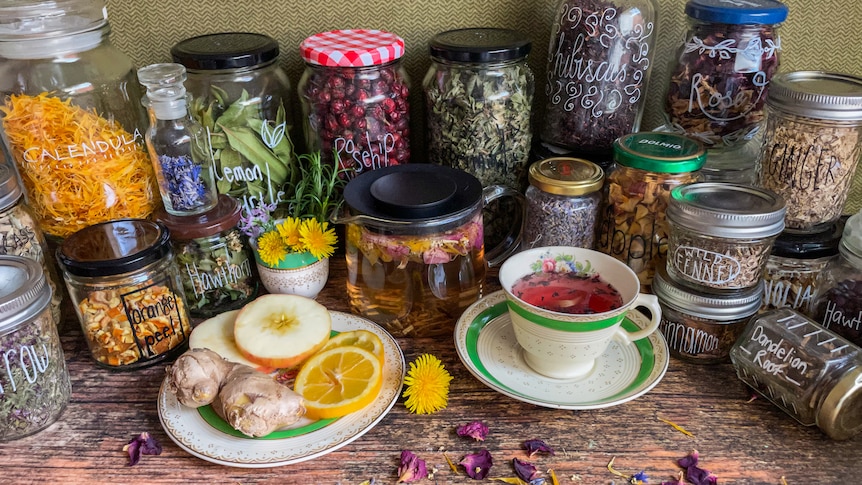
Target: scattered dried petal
525	470
451	464
536	446
143	444
554	480
412	468
477	465
676	427
695	474
476	430
512	480
675	481
640	477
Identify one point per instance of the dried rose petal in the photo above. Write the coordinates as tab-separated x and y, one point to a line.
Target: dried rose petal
675	481
695	474
536	446
689	460
525	470
143	444
476	430
412	468
477	465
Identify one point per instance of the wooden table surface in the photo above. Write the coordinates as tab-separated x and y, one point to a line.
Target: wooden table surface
740	441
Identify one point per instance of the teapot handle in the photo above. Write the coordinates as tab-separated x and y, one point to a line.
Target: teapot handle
510	243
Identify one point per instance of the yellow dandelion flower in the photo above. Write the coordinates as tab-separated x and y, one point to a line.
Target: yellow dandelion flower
271	248
427	384
318	239
289	231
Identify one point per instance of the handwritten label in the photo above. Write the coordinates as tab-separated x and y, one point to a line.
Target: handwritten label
778	358
223	276
368	156
85	151
705	266
155	319
805	167
636	250
688	340
32	360
270	194
835	316
776	294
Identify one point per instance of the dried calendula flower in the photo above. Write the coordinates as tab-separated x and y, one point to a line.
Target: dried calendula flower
476	430
537	446
412	468
143	444
477	465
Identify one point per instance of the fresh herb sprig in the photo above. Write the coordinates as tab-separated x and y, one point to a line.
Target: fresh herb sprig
317	191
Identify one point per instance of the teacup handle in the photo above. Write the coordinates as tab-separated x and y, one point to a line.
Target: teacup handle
651	302
510	243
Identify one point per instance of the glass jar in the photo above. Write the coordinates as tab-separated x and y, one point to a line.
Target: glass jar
34	382
354	99
177	143
127	292
637	189
20	234
812	374
242	98
837	304
72	119
701	327
213	259
811	145
790	276
721	234
563	203
721	75
599	63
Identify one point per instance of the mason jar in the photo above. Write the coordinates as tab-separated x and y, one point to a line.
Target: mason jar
353	93
242	97
71	115
127	292
721	73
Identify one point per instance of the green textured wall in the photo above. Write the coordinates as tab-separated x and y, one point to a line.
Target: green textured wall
817	35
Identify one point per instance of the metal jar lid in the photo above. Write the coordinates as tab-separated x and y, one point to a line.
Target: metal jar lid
479	45
816	94
223	217
10	189
24	292
748	12
726	210
724	307
114	248
809	246
839	415
659	152
566	176
226	50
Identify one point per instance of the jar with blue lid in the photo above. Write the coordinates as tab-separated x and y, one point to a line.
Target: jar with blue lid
719	83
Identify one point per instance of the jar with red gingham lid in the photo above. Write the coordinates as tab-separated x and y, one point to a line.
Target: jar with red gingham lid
354	99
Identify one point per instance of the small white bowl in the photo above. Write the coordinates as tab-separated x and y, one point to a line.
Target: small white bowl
304	281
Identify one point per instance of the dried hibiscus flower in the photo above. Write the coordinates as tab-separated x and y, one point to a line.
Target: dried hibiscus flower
412	468
143	444
525	470
477	465
476	430
537	446
695	474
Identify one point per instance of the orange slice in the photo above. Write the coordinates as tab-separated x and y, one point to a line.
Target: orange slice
363	339
339	381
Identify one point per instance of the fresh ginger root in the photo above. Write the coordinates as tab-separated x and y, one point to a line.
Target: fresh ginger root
250	401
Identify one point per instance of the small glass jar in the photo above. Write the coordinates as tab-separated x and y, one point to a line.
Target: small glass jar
177	143
20	234
637	189
239	92
701	327
811	145
72	119
599	62
34	382
213	259
127	292
720	79
812	374
354	99
563	203
790	276
721	234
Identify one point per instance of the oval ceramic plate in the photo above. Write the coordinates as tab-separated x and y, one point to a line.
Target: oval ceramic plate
304	441
486	345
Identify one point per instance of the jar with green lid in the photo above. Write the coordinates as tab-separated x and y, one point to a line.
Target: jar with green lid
127	292
213	258
242	97
34	381
701	327
563	203
20	234
636	193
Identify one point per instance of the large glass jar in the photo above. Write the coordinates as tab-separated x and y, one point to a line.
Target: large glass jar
72	118
354	99
127	292
721	75
599	62
241	96
811	145
647	166
34	382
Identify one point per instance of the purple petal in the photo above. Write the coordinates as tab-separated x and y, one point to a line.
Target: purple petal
134	450
525	470
143	444
689	460
699	476
476	430
536	446
641	476
477	465
412	468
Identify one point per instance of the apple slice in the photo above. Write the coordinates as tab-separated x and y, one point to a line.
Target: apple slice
281	331
216	334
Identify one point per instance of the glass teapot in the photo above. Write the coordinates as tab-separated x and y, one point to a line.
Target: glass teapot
415	246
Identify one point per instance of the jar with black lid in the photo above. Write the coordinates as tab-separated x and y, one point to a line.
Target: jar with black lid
127	292
213	258
242	97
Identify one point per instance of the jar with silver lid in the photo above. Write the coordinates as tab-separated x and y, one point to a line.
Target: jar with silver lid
721	234
702	327
34	381
811	373
563	203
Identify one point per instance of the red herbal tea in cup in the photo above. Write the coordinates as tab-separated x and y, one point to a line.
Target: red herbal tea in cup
568	292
